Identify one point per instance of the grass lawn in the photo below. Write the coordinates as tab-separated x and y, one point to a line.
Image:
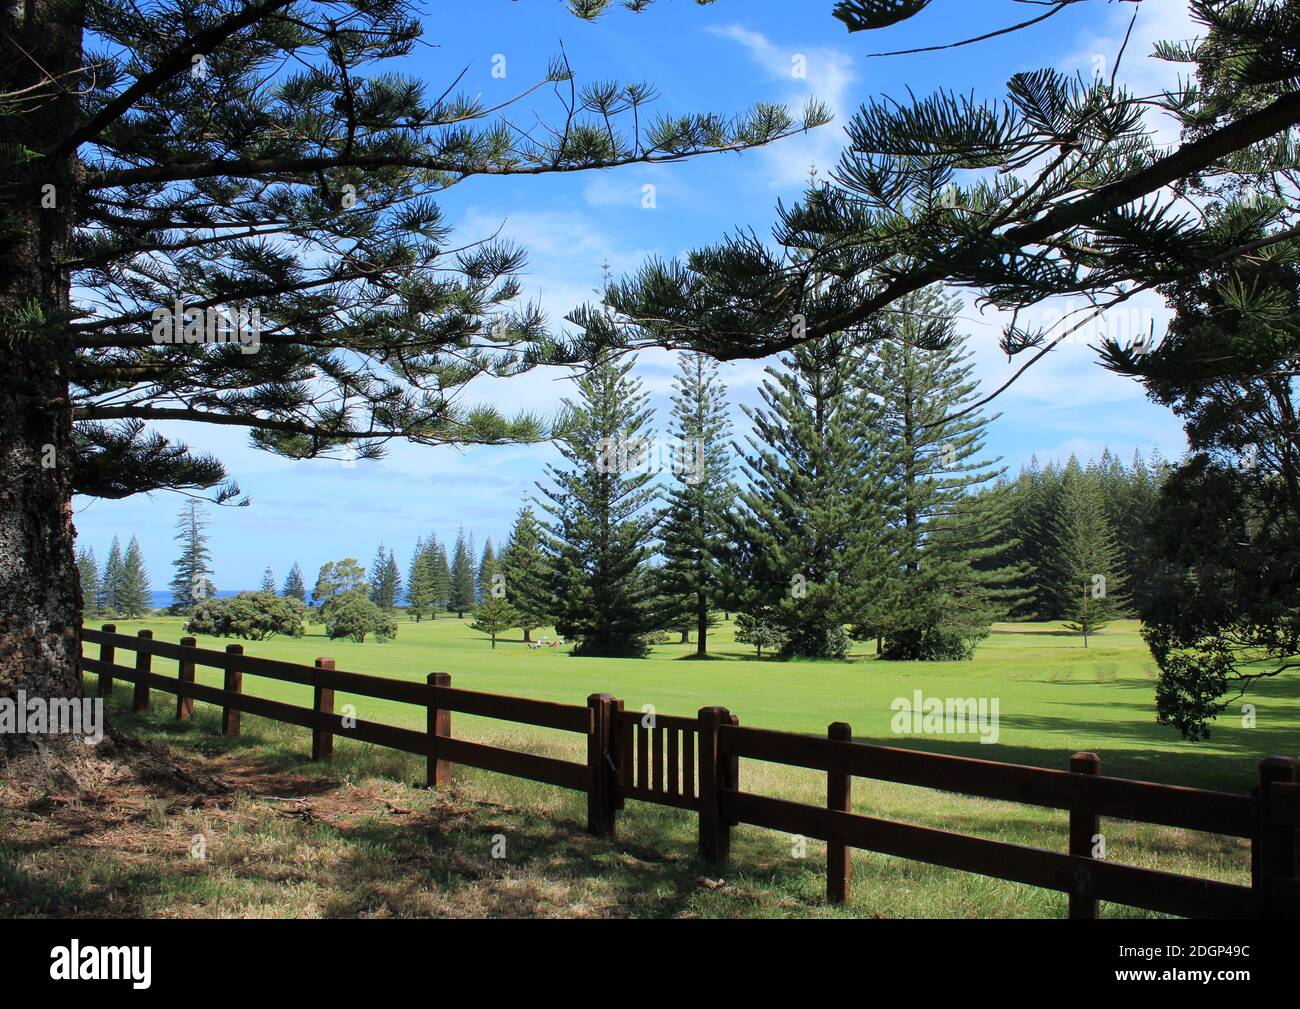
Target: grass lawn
1055	697
284	836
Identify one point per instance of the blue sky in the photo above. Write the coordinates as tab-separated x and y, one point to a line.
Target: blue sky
716	58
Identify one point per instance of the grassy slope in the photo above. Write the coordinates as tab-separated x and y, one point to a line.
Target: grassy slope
356	856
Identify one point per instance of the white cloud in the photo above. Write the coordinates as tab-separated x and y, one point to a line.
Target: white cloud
566	252
1139	71
630	187
820	72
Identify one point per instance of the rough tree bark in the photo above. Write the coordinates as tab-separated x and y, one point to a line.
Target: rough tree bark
40	590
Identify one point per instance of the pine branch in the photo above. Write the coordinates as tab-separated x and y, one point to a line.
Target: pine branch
179	61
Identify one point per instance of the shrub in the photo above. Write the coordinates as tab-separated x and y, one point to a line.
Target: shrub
209	617
934	644
354	616
260	615
254	616
816	642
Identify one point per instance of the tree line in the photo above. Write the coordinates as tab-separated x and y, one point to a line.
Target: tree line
121	587
1074	527
859	506
345	597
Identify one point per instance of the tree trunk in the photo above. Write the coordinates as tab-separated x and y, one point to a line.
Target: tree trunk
40	588
702	626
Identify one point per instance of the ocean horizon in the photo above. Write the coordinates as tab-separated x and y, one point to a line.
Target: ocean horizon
160	599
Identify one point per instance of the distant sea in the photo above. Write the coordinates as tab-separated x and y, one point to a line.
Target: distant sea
160	599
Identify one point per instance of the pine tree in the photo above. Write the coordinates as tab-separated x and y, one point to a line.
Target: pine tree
441	578
133	588
527	572
375	587
110	586
1029	533
89	569
462	576
803	549
268	582
1130	494
1088	577
695	529
493	616
947	582
392	581
487	570
192	581
601	516
385	580
1132	524
419	582
294	586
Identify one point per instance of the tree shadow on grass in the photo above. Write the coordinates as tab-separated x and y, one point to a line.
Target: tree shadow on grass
1119	744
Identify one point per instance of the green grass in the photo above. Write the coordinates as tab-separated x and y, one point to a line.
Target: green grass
1055	698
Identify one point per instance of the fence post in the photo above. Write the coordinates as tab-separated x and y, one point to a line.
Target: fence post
600	764
715	832
322	739
106	655
234	684
140	698
616	750
839	797
1084	826
185	674
730	769
437	772
1273	849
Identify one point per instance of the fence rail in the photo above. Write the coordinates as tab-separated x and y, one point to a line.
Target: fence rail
439	699
694	764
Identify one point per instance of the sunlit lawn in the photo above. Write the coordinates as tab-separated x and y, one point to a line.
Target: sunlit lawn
1055	696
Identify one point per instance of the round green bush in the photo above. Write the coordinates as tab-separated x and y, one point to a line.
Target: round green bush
354	616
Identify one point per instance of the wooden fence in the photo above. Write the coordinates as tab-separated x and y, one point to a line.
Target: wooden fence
694	764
